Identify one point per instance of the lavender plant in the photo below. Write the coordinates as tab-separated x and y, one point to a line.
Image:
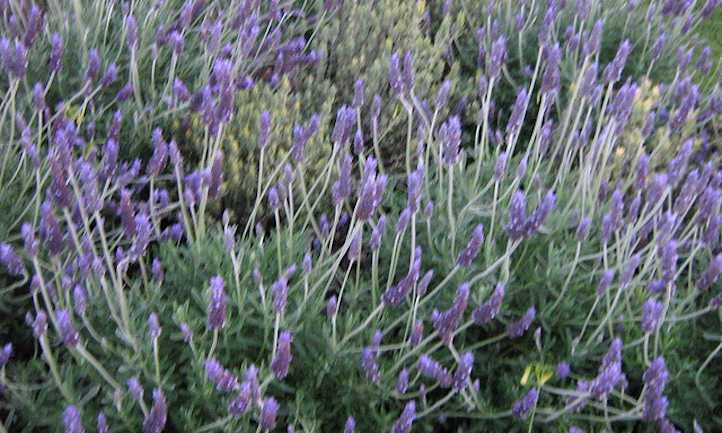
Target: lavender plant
548	261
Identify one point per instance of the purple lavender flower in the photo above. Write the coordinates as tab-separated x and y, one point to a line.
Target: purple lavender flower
613	70
341	189
516	118
80	300
14	59
540	214
56	52
369	359
371	191
500	166
417	333
135	388
350	425
591	47
93	65
463	371
240	404
428	367
280	292
523	406
72	421
403	223
358	94
712	273
331	306
516	228
156	270
583	229
551	79
487	311
70	336
442	97
605	281
40	324
629	270
498	57
446	322
414	184
408	74
403	424
156	419
377	233
518	328
402	384
102	423
9	258
154	326
5	354
708	204
450	136
269	412
651	315
610	373
468	254
358	142
345	119
354	249
667	427
563	370
395	78
711	235
217	303
224	380
160	153
187	333
49	229
655	380
282	359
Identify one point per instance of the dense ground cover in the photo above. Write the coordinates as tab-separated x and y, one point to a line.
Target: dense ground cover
360	216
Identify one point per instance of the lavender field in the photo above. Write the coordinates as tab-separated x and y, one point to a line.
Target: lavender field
360	216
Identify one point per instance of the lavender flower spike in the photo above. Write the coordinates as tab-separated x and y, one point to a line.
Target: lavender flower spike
518	328
655	379
486	312
269	412
402	383
523	406
154	326
350	425
613	71
10	260
217	303
156	419
468	254
72	421
516	228
651	315
711	274
447	322
450	135
224	380
135	388
563	370
463	371
282	359
403	424
70	336
433	370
